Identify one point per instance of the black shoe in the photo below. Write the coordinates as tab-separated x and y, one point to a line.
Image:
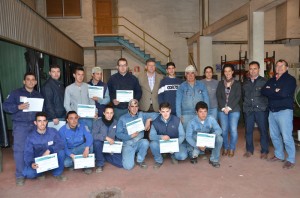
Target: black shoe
194	160
157	165
143	165
215	164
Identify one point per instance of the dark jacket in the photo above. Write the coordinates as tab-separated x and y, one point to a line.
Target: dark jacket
284	98
126	82
53	92
253	100
170	128
101	131
234	96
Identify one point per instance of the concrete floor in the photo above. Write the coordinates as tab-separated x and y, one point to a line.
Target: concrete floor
237	177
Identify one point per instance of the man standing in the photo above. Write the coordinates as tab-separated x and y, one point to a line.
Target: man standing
134	143
255	110
280	92
42	142
53	92
168	87
123	80
78	93
77	139
96	81
204	124
22	121
188	95
150	83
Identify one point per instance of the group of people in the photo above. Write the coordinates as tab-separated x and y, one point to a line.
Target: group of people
168	107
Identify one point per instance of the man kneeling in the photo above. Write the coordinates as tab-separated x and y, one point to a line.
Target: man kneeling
42	142
165	127
204	124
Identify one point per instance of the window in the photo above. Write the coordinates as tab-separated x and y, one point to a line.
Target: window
63	8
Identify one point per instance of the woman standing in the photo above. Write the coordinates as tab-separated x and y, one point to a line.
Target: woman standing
228	96
211	85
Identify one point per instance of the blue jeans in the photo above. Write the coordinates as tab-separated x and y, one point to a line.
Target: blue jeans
261	118
181	155
128	153
119	112
213	112
281	129
215	154
229	122
115	159
76	151
30	173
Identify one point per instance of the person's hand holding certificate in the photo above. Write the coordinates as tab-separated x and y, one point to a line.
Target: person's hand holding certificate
124	95
84	162
96	91
136	125
206	140
86	111
169	146
47	162
35	104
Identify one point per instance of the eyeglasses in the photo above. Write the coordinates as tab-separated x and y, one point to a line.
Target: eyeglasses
227	90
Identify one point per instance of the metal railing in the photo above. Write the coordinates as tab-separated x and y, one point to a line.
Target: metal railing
124	27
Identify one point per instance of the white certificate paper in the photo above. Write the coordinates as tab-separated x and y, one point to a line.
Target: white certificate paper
206	139
96	91
35	104
136	125
124	95
81	162
57	126
169	146
112	148
46	163
86	111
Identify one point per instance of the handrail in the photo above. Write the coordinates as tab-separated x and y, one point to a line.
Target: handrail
143	37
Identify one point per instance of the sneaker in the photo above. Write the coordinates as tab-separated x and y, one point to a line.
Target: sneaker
157	165
99	169
174	161
288	165
143	165
87	171
61	178
20	181
194	160
41	177
214	164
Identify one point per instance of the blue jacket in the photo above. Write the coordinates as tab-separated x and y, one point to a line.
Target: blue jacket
53	92
36	144
74	138
10	105
122	132
194	126
284	98
167	92
102	102
187	97
126	82
100	131
171	127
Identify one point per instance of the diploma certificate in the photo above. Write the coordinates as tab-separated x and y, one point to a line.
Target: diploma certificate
46	163
136	125
206	139
124	95
96	91
81	162
169	146
112	148
86	111
35	104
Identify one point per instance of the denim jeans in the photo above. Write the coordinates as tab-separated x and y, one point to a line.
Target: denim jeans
229	122
181	155
115	158
76	151
213	112
281	129
30	173
215	154
128	153
261	118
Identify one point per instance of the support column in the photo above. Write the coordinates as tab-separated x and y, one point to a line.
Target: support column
256	38
205	45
